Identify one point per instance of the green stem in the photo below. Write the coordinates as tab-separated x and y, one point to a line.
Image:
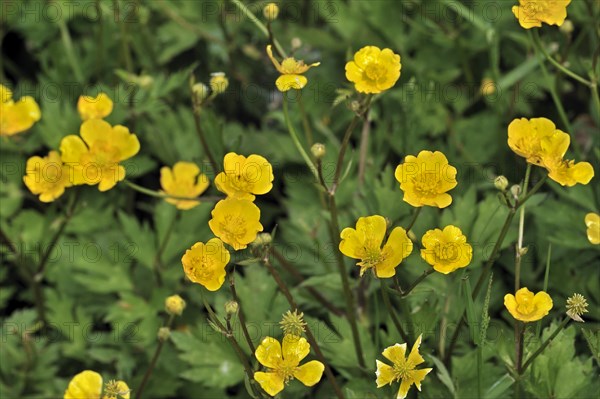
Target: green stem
538	44
124	38
518	252
61	228
161	248
240	313
157	352
364	148
295	139
422	277
544	344
196	107
258	24
414	219
391	311
309	335
340	160
316	294
538	327
305	123
68	45
231	338
350	308
490	262
158	194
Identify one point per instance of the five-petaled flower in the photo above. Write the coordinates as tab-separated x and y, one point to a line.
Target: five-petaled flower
403	369
592	222
426	178
243	177
531	13
47	177
291	72
184	180
283	363
526	306
94	156
373	70
446	250
541	143
16	117
205	263
236	222
88	385
94	107
365	241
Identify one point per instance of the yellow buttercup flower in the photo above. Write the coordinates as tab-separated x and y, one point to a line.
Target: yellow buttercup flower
403	369
565	172
47	177
94	156
541	143
291	72
525	137
531	13
373	70
527	307
236	222
94	107
426	178
218	82
205	263
446	250
184	180
88	385
283	363
592	221
16	117
365	242
243	177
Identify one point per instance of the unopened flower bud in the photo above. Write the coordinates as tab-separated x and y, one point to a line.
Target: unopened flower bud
200	91
262	239
231	307
567	27
318	150
488	87
218	82
174	305
523	251
355	106
501	183
164	333
271	11
515	191
145	81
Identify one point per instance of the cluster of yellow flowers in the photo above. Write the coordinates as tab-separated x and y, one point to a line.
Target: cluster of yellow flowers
542	144
235	219
425	180
93	157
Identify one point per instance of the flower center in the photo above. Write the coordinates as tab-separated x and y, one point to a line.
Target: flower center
286	370
202	267
446	252
374	71
233	227
373	257
241	183
401	371
289	65
426	184
525	306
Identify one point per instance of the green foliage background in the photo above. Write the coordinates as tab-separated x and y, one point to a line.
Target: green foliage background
118	257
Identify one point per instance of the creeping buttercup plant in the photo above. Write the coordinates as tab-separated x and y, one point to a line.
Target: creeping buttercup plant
226	199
